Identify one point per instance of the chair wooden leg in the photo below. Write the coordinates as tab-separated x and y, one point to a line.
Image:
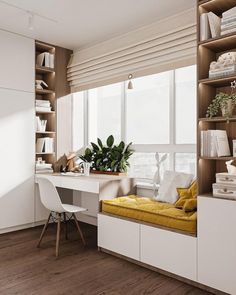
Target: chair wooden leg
65	222
58	233
79	229
44	230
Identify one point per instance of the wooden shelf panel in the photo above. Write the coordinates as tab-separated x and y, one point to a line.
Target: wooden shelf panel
45	153
44	91
44	70
218	158
218	82
45	132
46	113
217	6
222	43
217	119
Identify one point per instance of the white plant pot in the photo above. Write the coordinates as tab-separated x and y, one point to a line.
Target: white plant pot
86	167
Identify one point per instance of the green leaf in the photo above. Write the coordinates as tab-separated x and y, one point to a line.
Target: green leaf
88	151
110	141
95	147
100	143
121	146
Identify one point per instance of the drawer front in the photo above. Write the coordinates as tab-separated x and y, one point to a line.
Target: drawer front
224	191
119	236
226	179
170	251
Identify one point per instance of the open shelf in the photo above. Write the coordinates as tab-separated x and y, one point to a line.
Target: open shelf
217	119
46	113
45	153
44	91
217	6
218	158
224	42
45	132
218	82
43	70
40	46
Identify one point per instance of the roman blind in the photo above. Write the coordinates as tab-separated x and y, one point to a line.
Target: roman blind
172	49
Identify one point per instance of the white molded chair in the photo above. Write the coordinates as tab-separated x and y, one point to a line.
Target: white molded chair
51	200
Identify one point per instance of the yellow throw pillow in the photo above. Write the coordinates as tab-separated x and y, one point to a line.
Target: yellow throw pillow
190	205
186	194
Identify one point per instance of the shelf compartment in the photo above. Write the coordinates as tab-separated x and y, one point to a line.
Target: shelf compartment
44	91
222	43
45	113
218	82
45	153
40	46
44	70
45	132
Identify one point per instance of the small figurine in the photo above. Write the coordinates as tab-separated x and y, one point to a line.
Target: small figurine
39	84
231	168
157	178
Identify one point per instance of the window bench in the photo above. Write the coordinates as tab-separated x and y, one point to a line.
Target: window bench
172	250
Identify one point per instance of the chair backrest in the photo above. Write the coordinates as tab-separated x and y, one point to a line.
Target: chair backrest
49	195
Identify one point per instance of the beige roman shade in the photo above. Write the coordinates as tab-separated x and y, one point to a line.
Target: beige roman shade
170	49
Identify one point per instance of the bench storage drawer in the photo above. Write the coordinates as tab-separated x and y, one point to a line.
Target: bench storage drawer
119	236
170	251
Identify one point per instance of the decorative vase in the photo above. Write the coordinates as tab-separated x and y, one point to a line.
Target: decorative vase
227	110
86	167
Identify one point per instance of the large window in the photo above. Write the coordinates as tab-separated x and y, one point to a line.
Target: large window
157	115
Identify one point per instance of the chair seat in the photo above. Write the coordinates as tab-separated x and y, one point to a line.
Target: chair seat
72	208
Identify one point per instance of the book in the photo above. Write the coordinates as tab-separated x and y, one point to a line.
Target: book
40	59
43	109
42	103
47	59
51	60
40	144
222	143
204	27
224	32
229	13
215	24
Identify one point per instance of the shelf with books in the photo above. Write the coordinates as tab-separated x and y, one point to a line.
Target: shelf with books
46	113
44	91
43	153
45	132
41	46
216	6
221	43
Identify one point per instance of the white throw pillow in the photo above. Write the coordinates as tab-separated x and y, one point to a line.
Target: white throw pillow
172	180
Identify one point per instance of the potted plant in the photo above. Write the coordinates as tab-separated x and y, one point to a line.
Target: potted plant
224	102
108	158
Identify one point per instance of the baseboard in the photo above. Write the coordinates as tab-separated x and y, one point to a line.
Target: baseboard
21	227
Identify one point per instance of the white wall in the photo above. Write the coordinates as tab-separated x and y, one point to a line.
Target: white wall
16	131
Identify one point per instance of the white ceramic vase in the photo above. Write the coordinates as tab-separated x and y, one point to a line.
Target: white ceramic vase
86	167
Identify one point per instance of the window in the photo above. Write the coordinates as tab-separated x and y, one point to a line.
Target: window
158	115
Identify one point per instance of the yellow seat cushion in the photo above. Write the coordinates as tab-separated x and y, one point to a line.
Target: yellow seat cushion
148	210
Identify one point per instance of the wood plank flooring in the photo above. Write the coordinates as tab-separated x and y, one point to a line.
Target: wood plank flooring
27	270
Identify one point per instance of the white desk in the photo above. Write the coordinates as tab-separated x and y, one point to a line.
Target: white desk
90	190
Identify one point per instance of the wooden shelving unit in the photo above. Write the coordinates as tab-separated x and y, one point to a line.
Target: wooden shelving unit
56	79
209	51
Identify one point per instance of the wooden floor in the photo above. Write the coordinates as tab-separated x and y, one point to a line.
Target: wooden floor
26	270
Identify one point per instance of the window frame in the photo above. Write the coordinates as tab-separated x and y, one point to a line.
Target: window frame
172	148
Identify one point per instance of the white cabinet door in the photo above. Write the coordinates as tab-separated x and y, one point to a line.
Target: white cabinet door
217	243
17	158
17	62
170	251
119	236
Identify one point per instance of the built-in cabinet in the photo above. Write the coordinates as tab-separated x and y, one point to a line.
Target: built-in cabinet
16	131
217	243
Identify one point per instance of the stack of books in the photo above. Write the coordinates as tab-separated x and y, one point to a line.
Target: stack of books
44	168
210	26
43	106
228	24
45	145
40	125
45	59
214	143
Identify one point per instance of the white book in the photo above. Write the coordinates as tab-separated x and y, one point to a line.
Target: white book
43	109
229	13
51	60
40	145
212	143
224	32
222	143
215	24
47	58
42	103
40	59
228	26
204	27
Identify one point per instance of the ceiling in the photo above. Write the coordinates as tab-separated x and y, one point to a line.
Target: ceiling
81	23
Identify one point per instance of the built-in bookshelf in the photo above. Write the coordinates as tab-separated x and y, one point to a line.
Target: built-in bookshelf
208	51
53	72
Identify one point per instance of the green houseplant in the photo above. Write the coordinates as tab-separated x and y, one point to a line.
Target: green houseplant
224	102
108	157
